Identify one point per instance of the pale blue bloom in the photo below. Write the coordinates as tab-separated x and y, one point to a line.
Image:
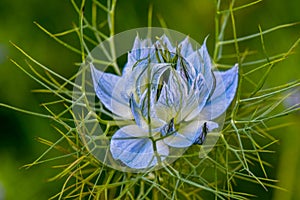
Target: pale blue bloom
170	93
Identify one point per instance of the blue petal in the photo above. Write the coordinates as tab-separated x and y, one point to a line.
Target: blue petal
138	83
140	113
137	113
186	70
138	47
197	98
226	86
131	145
202	63
109	95
206	58
160	48
165	42
207	127
140	51
186	48
172	98
140	98
186	135
151	74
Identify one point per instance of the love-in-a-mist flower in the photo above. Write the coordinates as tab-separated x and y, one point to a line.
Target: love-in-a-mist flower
169	95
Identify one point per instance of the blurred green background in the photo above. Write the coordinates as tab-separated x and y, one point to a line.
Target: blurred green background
195	18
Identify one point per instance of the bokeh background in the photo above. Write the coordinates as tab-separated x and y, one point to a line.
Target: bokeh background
18	132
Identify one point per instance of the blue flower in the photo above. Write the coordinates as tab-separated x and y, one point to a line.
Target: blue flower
170	97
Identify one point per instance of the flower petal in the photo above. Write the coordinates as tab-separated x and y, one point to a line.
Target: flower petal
226	86
202	63
165	42
186	71
152	75
137	113
186	47
107	90
197	98
172	97
189	134
207	127
140	112
140	51
184	137
131	145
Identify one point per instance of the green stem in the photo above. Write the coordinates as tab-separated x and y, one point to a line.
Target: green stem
111	24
